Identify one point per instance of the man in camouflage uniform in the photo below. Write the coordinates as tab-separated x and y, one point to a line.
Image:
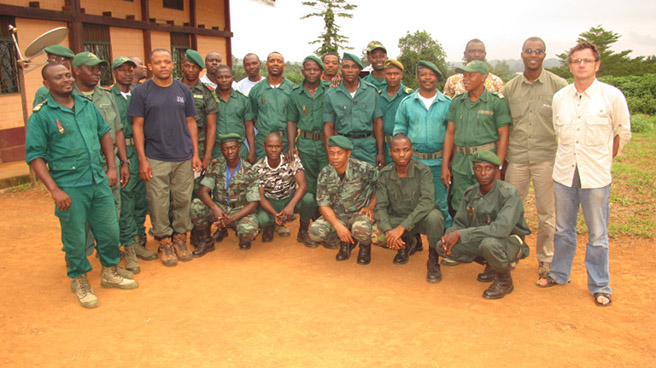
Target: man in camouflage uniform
346	198
228	196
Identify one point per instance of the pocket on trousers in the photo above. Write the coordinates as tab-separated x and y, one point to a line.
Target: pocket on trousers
64	215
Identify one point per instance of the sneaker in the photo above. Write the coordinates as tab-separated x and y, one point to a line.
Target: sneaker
180	247
109	278
166	252
283	231
84	293
131	263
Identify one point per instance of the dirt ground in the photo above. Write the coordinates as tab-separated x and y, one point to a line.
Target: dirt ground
283	305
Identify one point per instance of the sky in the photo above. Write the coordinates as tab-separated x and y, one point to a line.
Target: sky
503	25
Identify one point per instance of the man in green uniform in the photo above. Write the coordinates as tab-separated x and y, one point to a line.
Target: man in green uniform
376	54
489	227
390	98
55	54
346	195
405	204
67	133
228	197
352	110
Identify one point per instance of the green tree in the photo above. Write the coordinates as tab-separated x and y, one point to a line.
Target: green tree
502	70
420	46
329	10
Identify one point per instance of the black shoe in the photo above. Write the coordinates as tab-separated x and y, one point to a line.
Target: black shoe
194	237
420	245
403	255
433	271
487	275
219	235
364	255
344	251
204	240
267	234
330	244
502	285
244	244
304	236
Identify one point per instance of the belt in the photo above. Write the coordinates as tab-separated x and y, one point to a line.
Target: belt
313	136
388	139
428	156
471	150
281	132
129	141
355	136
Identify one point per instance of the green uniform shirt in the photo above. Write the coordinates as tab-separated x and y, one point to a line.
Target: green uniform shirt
497	214
389	106
205	105
41	95
69	142
352	115
243	186
306	110
532	135
349	195
122	103
382	85
270	105
412	197
105	103
232	115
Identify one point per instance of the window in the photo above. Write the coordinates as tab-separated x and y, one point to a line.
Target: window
174	4
180	43
8	68
96	40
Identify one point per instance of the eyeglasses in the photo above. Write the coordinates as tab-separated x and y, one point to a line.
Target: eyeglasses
583	61
537	51
56	59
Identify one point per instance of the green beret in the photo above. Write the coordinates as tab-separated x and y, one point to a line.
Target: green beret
87	58
315	59
122	60
487	156
229	137
349	56
194	57
60	50
429	65
474	66
393	63
340	141
371	46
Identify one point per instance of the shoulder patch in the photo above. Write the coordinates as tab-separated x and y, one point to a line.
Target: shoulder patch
40	105
407	90
498	94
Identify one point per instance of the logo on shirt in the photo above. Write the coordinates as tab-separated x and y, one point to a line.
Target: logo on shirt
180	99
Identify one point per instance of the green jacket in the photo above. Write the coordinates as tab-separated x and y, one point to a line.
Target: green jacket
389	106
205	105
270	105
306	110
105	103
352	115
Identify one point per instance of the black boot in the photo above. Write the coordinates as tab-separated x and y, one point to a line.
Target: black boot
267	234
330	244
404	254
193	238
205	242
364	255
219	235
303	235
502	285
433	272
487	275
344	251
244	244
420	244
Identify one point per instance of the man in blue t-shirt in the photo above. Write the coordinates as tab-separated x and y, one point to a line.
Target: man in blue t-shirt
165	137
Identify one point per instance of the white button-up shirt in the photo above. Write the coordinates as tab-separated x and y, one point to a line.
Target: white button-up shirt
586	124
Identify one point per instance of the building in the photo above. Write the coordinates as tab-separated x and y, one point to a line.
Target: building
108	28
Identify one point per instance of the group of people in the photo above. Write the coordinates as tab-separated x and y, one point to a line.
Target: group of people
360	161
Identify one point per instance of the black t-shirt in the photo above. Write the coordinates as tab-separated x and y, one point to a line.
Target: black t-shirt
165	111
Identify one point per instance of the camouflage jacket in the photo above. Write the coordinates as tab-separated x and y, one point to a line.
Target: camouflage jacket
348	195
243	185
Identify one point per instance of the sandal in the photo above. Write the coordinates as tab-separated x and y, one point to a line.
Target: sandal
605	295
550	282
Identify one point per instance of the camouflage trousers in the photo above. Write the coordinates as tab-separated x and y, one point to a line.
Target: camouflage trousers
246	227
498	252
432	226
360	226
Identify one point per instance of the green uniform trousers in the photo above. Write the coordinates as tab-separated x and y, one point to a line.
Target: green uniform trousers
305	208
432	226
313	157
93	205
498	252
441	195
134	209
116	193
364	149
360	226
170	189
246	227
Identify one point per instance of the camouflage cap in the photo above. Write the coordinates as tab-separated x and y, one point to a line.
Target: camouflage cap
474	66
340	141
393	63
229	137
122	60
60	50
87	58
371	46
315	59
429	65
355	59
195	57
486	156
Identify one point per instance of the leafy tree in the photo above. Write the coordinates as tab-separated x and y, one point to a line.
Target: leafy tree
502	70
329	10
420	46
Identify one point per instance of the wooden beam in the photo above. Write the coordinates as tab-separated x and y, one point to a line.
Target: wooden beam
24	12
226	15
192	23
75	30
145	18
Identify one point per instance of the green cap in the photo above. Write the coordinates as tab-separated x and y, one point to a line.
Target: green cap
315	59
429	65
340	141
349	56
371	46
87	58
393	63
194	57
474	66
60	50
122	60
229	137
487	156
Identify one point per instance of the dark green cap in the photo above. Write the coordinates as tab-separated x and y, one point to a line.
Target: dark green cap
122	60
315	59
195	57
340	141
487	156
87	58
349	56
60	50
474	66
393	63
429	65
229	137
371	46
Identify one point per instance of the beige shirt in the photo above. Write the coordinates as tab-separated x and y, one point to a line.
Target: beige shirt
532	135
586	124
455	86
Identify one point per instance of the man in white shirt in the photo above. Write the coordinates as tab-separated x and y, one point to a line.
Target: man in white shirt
252	68
592	124
212	62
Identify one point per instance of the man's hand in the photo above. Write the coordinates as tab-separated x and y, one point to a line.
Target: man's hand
380	160
335	82
196	164
125	175
145	171
111	175
251	157
446	176
367	212
285	215
291	155
449	240
206	161
219	217
344	234
62	200
393	238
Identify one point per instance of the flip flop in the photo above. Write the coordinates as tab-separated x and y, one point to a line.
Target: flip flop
550	282
606	295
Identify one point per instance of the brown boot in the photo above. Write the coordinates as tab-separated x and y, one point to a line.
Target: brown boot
303	235
180	246
502	285
433	271
205	241
166	252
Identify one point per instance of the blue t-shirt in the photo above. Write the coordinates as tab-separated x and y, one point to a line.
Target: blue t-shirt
165	111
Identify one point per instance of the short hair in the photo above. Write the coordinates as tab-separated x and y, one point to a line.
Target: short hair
160	50
400	137
251	54
48	66
582	46
223	66
323	57
273	135
214	52
275	52
534	39
474	40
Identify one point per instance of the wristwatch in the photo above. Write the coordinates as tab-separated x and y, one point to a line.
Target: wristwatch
127	162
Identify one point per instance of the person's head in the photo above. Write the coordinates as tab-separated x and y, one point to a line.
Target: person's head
58	79
86	69
393	73
252	66
351	67
312	69
161	64
123	70
474	50
224	78
474	75
427	75
140	70
60	54
212	61
273	146
486	165
339	152
192	64
275	64
230	147
401	150
331	64
376	54
584	60
533	52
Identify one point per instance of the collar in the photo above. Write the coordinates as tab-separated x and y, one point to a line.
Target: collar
282	162
541	78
